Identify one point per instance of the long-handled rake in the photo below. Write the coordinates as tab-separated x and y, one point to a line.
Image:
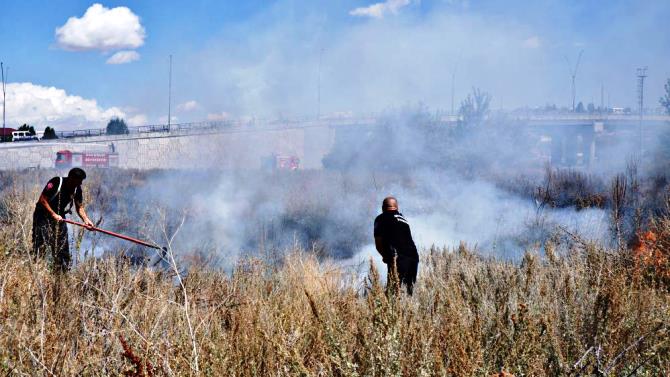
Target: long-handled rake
163	249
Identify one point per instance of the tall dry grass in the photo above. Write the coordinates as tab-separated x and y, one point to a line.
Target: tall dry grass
585	312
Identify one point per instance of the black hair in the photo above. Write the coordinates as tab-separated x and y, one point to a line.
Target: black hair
77	173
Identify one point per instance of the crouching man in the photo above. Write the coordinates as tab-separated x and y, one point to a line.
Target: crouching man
49	230
393	240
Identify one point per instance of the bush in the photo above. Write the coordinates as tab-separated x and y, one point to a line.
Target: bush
30	129
117	126
49	134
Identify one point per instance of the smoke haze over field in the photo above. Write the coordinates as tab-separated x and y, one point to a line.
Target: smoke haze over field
449	184
399	59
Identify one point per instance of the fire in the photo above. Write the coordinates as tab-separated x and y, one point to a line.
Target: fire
648	252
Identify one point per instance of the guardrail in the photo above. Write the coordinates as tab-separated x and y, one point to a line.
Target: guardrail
217	125
152	128
343	121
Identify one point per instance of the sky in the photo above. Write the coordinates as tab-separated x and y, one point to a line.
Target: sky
76	64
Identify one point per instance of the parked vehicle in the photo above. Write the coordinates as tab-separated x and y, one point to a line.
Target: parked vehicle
275	162
23	136
69	159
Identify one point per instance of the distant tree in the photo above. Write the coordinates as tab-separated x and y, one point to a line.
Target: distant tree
579	108
117	126
591	108
474	108
49	134
665	100
30	129
550	107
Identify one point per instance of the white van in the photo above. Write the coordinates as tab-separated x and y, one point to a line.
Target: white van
23	136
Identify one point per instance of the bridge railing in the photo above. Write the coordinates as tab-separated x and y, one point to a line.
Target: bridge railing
152	128
206	126
217	125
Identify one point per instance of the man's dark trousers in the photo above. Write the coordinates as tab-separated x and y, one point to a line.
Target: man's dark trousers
406	268
50	238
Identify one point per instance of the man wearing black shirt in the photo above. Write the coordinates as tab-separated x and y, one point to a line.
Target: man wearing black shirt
49	229
393	240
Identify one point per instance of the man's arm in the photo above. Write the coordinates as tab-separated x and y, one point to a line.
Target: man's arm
79	204
379	241
379	244
45	203
81	211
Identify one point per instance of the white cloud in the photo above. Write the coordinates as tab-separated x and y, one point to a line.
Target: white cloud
163	119
42	106
219	116
188	106
532	42
138	120
102	29
379	10
123	57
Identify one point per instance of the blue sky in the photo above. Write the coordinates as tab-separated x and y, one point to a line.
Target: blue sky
261	58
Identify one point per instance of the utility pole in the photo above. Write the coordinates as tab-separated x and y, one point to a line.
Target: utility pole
641	75
4	102
453	85
573	74
170	94
318	88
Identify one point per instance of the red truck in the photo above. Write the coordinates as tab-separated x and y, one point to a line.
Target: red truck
69	159
276	162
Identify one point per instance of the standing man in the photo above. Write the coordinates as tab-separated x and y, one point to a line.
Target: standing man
49	229
393	240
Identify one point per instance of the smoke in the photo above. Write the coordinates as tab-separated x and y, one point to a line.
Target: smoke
451	181
294	57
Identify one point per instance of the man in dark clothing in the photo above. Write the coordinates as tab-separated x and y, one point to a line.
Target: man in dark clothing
49	229
393	240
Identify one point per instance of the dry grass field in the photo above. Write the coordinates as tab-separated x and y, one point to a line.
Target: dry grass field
572	310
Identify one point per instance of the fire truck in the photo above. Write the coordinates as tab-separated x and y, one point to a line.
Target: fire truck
70	159
275	162
288	162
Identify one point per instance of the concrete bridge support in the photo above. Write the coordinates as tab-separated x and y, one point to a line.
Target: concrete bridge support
574	146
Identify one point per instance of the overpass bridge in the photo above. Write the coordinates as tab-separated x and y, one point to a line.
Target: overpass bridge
587	139
571	120
259	125
574	139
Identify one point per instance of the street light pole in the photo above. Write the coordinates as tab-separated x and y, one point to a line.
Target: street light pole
641	75
4	103
318	88
170	93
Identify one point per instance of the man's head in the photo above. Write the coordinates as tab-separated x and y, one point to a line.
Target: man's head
389	204
76	176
